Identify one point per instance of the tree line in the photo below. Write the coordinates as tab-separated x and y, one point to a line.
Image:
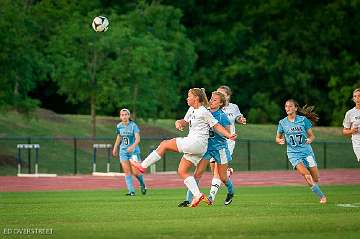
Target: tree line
154	51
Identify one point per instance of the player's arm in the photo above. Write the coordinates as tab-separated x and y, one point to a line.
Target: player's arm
137	141
310	136
349	131
224	131
116	145
181	124
279	139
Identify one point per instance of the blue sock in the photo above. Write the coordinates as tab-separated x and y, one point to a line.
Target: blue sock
189	195
317	191
129	183
229	186
140	178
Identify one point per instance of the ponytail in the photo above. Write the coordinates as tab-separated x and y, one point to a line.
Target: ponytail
306	110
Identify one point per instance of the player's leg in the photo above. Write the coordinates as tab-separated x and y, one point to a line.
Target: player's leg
301	169
215	182
222	171
157	154
125	164
185	165
138	175
200	169
315	188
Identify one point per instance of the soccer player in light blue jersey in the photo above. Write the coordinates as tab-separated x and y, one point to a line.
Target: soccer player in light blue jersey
127	148
297	132
217	150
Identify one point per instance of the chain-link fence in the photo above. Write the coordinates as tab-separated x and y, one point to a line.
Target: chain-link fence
74	155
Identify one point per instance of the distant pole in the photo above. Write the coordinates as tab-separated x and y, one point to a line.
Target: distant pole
249	155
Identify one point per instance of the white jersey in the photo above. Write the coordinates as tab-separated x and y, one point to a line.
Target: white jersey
232	111
200	121
352	120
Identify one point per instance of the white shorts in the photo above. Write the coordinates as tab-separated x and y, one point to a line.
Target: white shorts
193	149
357	152
231	145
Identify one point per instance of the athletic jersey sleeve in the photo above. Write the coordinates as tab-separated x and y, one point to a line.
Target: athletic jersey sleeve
347	121
209	118
280	129
188	114
308	124
237	112
117	130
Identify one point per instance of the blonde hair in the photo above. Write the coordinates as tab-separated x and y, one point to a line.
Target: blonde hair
222	98
306	110
200	93
356	90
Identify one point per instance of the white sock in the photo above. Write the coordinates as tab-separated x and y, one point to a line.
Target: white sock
152	158
192	186
215	185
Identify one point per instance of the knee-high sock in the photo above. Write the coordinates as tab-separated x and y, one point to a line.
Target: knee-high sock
152	158
189	195
229	186
192	186
140	178
129	183
316	189
215	185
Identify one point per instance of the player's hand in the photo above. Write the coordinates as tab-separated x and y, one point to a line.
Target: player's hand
130	149
242	120
308	141
354	130
233	137
114	152
281	141
178	125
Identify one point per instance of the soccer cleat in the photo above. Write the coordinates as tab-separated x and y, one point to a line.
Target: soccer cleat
137	165
130	194
323	200
210	201
228	199
229	172
184	204
196	201
143	190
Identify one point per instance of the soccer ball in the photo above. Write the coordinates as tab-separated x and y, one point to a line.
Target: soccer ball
100	24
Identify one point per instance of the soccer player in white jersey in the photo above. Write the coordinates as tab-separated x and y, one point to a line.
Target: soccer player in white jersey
194	146
236	117
351	124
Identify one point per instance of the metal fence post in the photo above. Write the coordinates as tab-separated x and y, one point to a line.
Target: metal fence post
75	156
324	154
29	156
249	155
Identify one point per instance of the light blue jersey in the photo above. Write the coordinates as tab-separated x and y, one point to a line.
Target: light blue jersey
127	134
295	135
217	143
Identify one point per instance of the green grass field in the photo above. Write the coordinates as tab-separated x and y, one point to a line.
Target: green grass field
257	212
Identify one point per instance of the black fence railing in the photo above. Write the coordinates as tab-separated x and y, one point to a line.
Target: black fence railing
74	155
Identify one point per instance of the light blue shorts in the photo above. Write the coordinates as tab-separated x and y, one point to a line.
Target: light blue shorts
221	156
309	161
129	156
